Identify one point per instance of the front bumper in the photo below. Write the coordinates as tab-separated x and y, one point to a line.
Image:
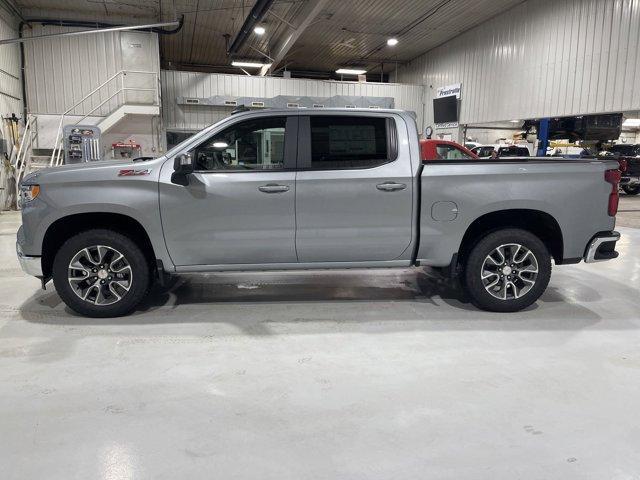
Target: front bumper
30	265
602	247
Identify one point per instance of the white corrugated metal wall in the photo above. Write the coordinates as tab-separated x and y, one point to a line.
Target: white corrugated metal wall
10	94
61	71
542	58
192	84
10	99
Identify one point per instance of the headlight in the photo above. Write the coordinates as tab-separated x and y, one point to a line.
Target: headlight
28	193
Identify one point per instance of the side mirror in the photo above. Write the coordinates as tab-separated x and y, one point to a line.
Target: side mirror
182	168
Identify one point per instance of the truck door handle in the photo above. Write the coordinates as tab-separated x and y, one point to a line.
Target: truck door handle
391	186
273	188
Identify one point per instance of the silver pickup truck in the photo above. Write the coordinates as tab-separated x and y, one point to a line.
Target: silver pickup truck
312	189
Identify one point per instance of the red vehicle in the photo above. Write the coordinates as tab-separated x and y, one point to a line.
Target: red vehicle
434	149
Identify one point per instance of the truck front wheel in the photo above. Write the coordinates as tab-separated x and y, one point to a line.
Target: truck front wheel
101	273
631	190
507	270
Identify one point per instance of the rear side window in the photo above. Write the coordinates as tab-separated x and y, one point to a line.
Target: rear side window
345	142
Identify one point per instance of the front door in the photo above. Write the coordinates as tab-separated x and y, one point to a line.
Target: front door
239	207
354	189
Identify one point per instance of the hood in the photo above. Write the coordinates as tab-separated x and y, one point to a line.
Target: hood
85	169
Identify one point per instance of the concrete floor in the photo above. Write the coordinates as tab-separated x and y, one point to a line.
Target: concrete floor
360	375
629	211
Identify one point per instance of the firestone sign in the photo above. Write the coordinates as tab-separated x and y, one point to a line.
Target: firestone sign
448	91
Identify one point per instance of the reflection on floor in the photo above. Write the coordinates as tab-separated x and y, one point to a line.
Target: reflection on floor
363	374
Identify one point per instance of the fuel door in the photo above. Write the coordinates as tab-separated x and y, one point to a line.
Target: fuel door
444	211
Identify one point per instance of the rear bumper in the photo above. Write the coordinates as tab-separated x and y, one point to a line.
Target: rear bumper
602	247
30	265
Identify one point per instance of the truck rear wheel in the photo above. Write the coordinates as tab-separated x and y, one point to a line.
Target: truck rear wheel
101	273
507	271
629	190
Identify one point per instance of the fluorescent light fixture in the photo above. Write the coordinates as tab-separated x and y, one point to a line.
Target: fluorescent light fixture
249	64
392	42
259	30
631	122
220	144
351	71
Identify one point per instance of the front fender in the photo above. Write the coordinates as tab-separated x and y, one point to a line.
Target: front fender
135	197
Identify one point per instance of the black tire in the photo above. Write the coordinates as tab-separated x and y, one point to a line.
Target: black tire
474	269
139	270
629	190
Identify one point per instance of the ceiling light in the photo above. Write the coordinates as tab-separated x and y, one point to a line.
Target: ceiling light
631	122
351	71
515	121
259	30
248	64
220	145
392	42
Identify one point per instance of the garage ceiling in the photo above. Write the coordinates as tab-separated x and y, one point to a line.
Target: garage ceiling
342	33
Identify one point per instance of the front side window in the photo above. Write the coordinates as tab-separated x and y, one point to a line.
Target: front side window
450	152
256	144
343	142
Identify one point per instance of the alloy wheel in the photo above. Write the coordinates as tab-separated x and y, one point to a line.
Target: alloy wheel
509	271
100	275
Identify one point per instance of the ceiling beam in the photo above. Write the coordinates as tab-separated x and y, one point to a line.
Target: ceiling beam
291	34
257	13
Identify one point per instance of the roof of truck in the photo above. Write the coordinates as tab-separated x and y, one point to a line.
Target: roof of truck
302	110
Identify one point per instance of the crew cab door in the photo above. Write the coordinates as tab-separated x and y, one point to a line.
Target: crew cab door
239	205
353	189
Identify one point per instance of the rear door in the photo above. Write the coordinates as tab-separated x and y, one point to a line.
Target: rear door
353	189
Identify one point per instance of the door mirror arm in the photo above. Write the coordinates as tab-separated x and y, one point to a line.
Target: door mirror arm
182	168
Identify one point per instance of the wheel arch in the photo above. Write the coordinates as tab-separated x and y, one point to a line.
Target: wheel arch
537	222
65	227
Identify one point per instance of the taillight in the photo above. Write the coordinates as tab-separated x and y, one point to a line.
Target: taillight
623	164
613	177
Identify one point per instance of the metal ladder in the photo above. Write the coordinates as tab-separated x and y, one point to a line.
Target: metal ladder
21	162
119	94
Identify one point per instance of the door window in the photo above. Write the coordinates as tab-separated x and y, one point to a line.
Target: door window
484	151
256	144
347	142
450	152
513	151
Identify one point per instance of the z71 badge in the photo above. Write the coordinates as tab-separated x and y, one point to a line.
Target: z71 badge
134	172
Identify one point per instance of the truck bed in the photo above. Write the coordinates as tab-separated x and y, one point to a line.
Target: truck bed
455	194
